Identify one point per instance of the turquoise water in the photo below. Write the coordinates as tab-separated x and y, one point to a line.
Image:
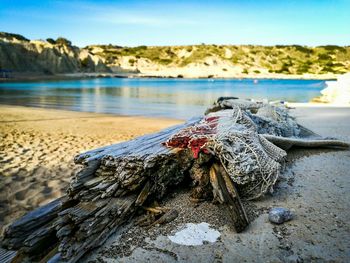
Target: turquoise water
174	98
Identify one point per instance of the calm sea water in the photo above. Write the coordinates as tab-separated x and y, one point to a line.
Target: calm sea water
175	98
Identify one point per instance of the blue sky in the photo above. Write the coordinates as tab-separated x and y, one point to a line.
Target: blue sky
132	23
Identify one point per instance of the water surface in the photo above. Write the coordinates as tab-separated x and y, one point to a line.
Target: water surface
174	98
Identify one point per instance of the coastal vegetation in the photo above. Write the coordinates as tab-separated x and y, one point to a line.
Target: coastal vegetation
60	56
291	59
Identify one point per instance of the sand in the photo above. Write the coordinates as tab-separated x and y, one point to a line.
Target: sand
37	147
314	186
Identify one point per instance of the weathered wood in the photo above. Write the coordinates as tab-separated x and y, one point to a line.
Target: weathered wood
143	194
109	176
227	194
113	182
22	229
287	143
6	256
199	172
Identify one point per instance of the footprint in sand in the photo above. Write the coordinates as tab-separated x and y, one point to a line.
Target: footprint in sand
18	177
21	195
46	191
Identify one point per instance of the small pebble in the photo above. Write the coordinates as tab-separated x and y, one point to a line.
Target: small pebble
279	215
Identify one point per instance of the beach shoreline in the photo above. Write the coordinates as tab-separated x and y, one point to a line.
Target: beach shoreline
37	147
76	76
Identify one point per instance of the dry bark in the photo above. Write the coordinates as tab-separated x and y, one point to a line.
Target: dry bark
114	181
228	195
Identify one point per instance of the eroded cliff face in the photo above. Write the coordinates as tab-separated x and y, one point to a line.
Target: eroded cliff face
22	55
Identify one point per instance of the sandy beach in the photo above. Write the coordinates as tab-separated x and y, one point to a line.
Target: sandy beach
37	147
314	186
202	72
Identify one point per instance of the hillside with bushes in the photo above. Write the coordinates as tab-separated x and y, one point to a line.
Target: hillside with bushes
60	56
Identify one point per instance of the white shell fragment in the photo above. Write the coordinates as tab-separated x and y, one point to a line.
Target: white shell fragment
195	235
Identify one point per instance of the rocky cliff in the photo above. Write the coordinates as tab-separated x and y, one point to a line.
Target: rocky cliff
19	54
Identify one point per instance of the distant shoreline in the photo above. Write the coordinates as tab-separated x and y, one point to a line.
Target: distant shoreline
74	76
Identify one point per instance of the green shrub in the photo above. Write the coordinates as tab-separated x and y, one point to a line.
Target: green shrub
11	36
63	41
327	69
170	53
51	41
303	68
284	69
281	46
338	64
165	61
235	60
333	48
84	62
324	57
302	49
141	48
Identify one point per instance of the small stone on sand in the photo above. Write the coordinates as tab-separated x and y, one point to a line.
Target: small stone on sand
279	215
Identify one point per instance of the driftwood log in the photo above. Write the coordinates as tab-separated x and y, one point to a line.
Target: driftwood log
228	153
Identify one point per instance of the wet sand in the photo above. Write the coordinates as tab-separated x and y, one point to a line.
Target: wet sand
37	147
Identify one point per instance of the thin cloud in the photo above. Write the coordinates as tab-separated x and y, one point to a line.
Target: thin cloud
137	19
110	14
